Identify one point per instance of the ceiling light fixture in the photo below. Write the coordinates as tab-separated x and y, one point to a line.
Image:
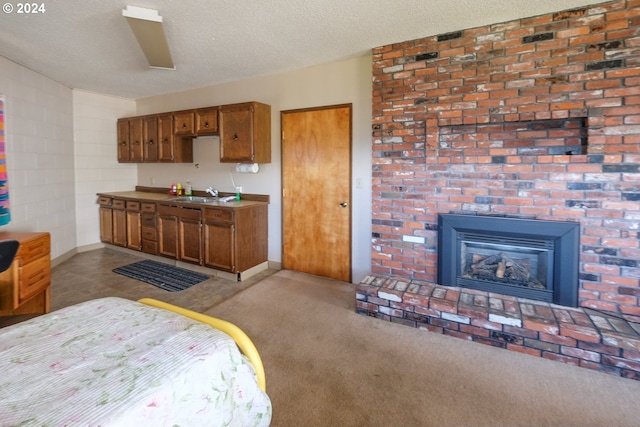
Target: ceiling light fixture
146	25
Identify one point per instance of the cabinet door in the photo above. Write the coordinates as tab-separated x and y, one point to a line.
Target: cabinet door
207	121
184	123
150	138
123	140
136	141
106	225
245	133
119	227
190	232
165	138
168	236
134	236
236	134
219	246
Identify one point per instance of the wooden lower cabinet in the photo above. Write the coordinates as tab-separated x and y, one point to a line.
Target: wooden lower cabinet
167	233
229	238
119	215
149	231
113	221
106	224
180	233
134	226
235	239
219	245
24	287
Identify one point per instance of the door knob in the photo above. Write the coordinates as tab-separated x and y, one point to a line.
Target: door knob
344	204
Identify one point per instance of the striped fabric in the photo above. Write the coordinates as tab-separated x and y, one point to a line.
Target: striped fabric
5	215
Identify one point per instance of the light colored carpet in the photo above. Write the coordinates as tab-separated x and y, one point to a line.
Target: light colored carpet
328	366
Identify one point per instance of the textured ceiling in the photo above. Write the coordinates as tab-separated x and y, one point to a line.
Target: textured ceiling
87	44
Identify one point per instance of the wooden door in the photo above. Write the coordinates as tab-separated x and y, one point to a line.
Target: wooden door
316	191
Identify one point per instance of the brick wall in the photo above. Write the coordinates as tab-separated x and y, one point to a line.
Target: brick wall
484	120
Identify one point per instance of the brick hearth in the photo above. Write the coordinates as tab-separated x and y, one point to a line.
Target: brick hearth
579	336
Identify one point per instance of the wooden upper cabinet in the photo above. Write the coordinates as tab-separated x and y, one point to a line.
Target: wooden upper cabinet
136	138
165	137
130	139
245	133
123	140
207	121
244	129
184	123
150	138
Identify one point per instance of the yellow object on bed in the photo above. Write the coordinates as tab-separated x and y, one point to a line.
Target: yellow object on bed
116	362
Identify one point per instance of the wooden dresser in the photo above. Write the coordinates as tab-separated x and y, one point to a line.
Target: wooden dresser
24	287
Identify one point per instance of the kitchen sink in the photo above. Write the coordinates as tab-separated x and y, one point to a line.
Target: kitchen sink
193	199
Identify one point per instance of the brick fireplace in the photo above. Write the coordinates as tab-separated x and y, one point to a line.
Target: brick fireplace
535	119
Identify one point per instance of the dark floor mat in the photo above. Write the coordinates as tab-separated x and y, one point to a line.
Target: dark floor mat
164	276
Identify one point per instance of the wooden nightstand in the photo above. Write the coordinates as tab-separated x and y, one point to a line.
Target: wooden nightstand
24	287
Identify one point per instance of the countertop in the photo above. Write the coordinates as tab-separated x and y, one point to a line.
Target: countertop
163	197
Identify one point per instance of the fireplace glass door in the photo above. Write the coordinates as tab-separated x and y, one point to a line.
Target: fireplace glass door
522	267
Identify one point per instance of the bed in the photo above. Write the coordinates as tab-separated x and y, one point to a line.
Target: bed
116	362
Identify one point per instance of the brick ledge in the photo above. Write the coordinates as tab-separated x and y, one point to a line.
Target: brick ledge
579	336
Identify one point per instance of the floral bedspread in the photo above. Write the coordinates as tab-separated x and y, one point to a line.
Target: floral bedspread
115	362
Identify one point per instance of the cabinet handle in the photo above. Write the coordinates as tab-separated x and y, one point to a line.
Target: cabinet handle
344	204
235	137
151	142
206	124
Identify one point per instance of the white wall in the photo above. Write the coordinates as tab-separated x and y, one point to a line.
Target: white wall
96	165
39	144
341	82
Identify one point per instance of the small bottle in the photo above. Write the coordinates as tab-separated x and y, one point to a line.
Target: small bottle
187	188
172	189
179	189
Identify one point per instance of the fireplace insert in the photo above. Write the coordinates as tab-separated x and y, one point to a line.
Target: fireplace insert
531	259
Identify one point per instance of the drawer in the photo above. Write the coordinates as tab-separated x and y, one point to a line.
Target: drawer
35	277
104	201
148	207
33	249
218	215
149	247
149	234
148	220
133	205
117	204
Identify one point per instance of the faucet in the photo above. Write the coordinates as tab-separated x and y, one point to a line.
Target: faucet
212	191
